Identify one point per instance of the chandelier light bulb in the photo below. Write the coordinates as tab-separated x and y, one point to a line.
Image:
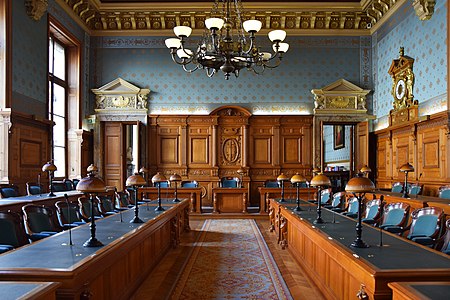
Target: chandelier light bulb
182	31
252	25
214	23
265	56
277	35
282	47
173	43
184	53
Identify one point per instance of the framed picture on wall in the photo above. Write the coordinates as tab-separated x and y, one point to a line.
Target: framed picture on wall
339	136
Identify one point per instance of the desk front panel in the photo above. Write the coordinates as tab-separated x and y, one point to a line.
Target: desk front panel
266	193
340	270
113	271
230	200
420	290
193	194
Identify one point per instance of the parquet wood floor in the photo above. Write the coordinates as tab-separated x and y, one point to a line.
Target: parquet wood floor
159	283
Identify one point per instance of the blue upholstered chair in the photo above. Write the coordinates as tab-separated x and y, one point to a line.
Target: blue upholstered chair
425	226
337	202
445	239
162	184
59	186
8	191
123	200
12	231
415	189
69	186
106	203
397	187
395	217
33	188
84	205
373	210
40	221
229	182
271	184
75	182
189	184
68	214
444	192
353	208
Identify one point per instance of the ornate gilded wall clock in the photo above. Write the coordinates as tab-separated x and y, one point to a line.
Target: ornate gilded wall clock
402	74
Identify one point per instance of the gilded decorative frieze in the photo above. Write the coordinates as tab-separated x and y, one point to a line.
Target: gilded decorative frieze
36	8
424	8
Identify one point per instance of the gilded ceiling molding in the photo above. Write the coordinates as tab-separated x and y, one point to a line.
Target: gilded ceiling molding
300	18
424	8
36	8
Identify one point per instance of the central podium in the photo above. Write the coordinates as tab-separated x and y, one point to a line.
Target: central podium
230	200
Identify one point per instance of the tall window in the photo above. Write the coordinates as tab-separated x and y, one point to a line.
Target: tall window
57	102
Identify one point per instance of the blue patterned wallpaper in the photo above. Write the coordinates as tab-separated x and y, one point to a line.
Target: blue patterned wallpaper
426	42
331	155
310	63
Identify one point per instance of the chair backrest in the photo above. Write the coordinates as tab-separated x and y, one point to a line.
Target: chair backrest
40	218
123	199
69	184
426	222
444	192
415	189
33	188
68	213
162	184
85	208
12	230
272	184
353	206
373	209
337	199
189	184
325	196
395	214
445	247
75	182
106	202
229	182
59	186
9	190
397	187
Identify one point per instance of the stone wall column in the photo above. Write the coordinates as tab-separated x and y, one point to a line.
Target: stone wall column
5	126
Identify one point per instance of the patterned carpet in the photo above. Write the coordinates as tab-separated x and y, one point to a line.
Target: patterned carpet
230	261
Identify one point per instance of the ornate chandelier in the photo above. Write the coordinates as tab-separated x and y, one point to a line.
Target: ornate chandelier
224	45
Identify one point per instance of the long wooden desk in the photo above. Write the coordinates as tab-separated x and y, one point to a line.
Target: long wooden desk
266	193
420	290
339	270
113	271
230	200
15	203
193	194
28	290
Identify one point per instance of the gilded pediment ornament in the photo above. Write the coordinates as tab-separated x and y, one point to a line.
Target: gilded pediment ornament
424	8
36	8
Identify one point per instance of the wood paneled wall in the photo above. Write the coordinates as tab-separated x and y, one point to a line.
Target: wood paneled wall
206	148
425	144
29	150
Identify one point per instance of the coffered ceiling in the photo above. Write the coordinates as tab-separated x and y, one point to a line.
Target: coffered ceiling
158	17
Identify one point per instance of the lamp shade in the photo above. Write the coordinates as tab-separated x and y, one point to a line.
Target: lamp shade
282	177
158	177
359	185
175	178
265	56
214	23
297	178
277	35
134	180
91	184
143	170
173	43
49	167
282	47
406	168
320	180
184	31
184	53
365	169
252	25
92	168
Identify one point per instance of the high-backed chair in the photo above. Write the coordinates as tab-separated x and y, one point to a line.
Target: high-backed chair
59	186
34	189
162	184
397	187
395	217
68	214
271	184
445	239
415	189
75	182
123	200
106	203
69	186
8	191
189	184
444	192
352	208
425	225
229	182
85	208
337	202
373	211
40	221
12	231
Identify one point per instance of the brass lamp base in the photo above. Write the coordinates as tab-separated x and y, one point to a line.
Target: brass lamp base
359	244
92	242
136	220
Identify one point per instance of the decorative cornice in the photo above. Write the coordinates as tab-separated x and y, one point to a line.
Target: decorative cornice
298	18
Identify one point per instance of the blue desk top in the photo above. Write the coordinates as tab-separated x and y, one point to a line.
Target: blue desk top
20	290
32	198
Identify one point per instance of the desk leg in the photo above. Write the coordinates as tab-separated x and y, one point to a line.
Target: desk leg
192	203
215	211
244	203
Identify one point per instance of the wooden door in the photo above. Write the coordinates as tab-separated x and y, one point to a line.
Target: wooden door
362	145
114	169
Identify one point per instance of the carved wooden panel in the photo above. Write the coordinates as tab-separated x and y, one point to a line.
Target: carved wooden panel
431	154
262	150
199	150
114	168
362	145
169	150
291	150
31	153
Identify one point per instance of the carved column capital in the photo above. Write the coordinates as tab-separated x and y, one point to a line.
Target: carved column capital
36	8
424	8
